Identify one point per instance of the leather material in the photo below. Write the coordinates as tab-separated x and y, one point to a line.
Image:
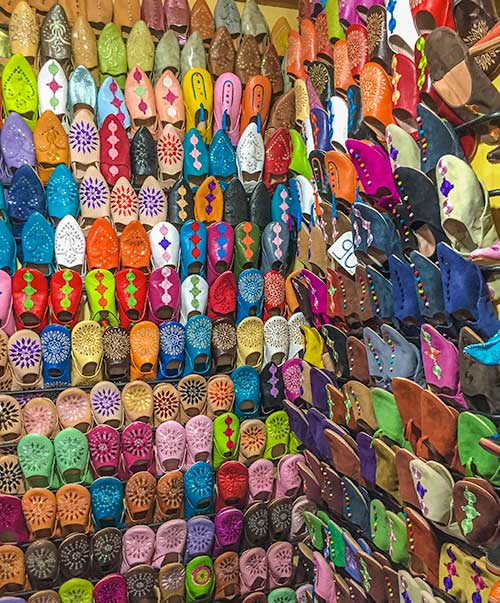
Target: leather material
143	155
236	208
55	38
180	203
247	59
260	206
222	54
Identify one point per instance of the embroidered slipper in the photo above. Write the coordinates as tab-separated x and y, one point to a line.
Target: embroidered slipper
135	249
199	485
72	456
166	403
137	448
224	340
86	353
107	502
74	410
137	399
40	512
73	509
138	546
193	396
199	438
171	580
116	342
253	570
144	350
194	297
200	537
169	496
256	525
106	404
42	563
170	441
447	69
11	475
140	491
170	543
252	440
74	556
220	395
110	587
279	559
247	392
226	438
198	345
105	450
84	143
250	337
40	416
124	204
94	198
25	356
106	551
278	433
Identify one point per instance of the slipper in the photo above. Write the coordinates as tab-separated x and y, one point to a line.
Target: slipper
222	159
446	70
73	509
40	512
222	298
16	142
246	391
152	203
113	586
171	579
227	105
137	448
220	395
105	451
200	579
172	343
140	491
170	543
198	489
226	438
194	297
141	584
116	353
94	198
169	100
278	433
196	159
82	88
170	441
200	537
164	293
72	456
40	416
193	396
250	336
164	239
199	438
107	503
140	99
135	249
25	357
74	556
252	440
250	294
144	350
74	410
256	525
198	345
280	518
250	156
84	143
124	204
76	587
69	245
42	563
19	87
253	570
193	248
279	559
137	547
166	402
261	480
137	400
169	496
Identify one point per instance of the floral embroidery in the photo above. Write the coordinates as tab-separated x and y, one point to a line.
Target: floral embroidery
467	524
479	583
432	353
420	489
451	569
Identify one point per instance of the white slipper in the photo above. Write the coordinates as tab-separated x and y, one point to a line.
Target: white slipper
338	119
250	157
69	245
164	239
276	340
296	340
194	297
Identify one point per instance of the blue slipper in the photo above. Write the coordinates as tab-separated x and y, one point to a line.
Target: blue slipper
404	291
8	249
222	159
56	356
199	483
193	237
110	101
26	195
172	344
198	345
250	297
275	240
380	294
466	292
106	496
37	244
246	392
62	194
4	216
82	89
281	205
196	159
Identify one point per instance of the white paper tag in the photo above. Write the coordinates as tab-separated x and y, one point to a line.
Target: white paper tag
342	251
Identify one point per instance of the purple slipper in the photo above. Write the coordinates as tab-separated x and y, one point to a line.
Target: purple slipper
228	530
200	537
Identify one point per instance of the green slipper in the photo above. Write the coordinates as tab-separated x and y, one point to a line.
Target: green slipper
168	55
112	55
200	580
278	435
379	526
19	89
72	456
76	590
226	438
141	48
100	288
246	247
398	543
470	429
299	163
282	595
315	528
335	540
37	460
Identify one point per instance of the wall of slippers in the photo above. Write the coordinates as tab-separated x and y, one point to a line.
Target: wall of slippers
248	302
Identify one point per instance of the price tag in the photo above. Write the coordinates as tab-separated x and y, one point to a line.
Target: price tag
342	251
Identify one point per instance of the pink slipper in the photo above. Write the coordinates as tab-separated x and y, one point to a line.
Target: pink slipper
137	547
170	543
253	570
137	448
280	561
288	481
199	439
261	479
170	446
6	313
323	580
486	255
104	447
